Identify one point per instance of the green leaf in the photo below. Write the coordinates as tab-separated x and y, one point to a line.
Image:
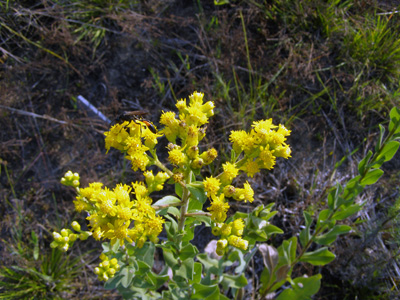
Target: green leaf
303	288
115	247
210	264
178	190
169	258
194	204
197	193
381	137
394	124
156	280
35	242
188	251
209	292
127	273
347	212
221	2
371	177
353	188
173	211
388	151
146	253
305	235
198	267
233	281
186	269
333	196
171	228
363	162
323	216
287	251
167	200
319	257
330	236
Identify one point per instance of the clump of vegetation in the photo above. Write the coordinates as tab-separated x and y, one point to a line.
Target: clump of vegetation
326	70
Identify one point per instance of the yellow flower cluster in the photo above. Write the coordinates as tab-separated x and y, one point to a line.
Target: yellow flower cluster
127	137
231	234
261	146
107	268
66	238
111	212
190	130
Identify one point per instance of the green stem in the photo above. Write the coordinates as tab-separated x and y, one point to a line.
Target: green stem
185	201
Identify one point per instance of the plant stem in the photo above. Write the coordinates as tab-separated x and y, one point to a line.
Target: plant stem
185	201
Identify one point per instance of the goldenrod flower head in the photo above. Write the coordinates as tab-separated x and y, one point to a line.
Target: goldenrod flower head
241	141
263	126
81	205
193	152
229	191
237	227
98	234
216	230
106	202
177	157
218	208
251	167
154	225
116	136
192	138
139	160
267	157
121	192
150	138
168	119
283	130
178	177
276	139
118	231
245	194
196	98
197	163
209	156
222	244
155	183
208	108
226	229
211	186
195	116
162	177
230	172
140	189
283	151
238	242
181	105
124	212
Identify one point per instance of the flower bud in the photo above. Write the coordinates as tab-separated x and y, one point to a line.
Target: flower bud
84	235
72	237
65	247
75	225
197	163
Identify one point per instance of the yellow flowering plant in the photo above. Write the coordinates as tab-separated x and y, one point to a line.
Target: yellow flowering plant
129	222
